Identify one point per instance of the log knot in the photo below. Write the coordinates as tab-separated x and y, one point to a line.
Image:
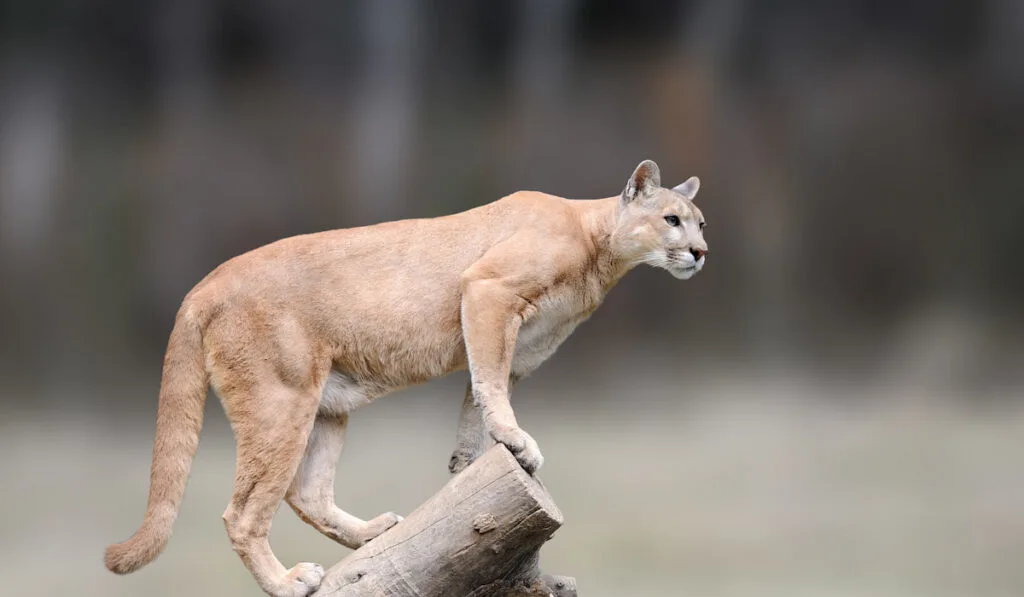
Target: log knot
484	523
355	576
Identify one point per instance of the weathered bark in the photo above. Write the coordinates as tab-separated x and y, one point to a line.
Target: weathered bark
479	536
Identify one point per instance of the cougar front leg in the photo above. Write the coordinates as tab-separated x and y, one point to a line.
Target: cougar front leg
491	316
471	439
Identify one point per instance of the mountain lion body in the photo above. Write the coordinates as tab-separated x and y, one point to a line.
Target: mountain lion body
296	334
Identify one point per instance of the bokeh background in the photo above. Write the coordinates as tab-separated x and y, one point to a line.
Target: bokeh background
832	407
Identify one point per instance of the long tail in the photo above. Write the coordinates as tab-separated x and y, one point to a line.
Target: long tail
178	422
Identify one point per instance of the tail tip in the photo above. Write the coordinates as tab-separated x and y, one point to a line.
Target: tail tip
121	559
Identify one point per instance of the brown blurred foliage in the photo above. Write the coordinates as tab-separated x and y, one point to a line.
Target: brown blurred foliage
860	159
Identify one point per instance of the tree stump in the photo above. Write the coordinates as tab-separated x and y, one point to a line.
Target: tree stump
479	536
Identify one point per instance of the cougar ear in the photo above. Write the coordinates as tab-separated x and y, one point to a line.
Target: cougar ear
645	179
689	188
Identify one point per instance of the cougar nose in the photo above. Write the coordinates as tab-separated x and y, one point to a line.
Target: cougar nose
698	253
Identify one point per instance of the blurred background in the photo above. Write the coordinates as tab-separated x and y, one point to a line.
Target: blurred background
833	406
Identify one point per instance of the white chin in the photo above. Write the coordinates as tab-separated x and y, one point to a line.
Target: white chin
685	273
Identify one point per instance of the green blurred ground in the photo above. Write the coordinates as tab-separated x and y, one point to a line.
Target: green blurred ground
747	489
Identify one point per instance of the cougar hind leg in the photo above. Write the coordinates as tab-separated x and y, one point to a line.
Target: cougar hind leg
271	428
311	493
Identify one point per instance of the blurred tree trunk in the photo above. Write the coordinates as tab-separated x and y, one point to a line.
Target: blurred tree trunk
540	71
384	114
34	315
745	140
30	159
1003	58
179	209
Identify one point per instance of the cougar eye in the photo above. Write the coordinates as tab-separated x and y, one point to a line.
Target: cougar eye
672	220
701	225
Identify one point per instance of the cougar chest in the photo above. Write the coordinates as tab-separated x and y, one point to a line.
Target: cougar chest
540	336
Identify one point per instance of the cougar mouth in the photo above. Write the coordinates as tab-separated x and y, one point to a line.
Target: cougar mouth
682	265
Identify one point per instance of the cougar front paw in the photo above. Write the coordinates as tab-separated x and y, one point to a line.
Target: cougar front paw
522	446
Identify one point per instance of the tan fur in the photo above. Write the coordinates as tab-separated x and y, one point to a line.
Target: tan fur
294	335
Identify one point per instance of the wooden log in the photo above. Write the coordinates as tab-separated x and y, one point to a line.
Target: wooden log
479	536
